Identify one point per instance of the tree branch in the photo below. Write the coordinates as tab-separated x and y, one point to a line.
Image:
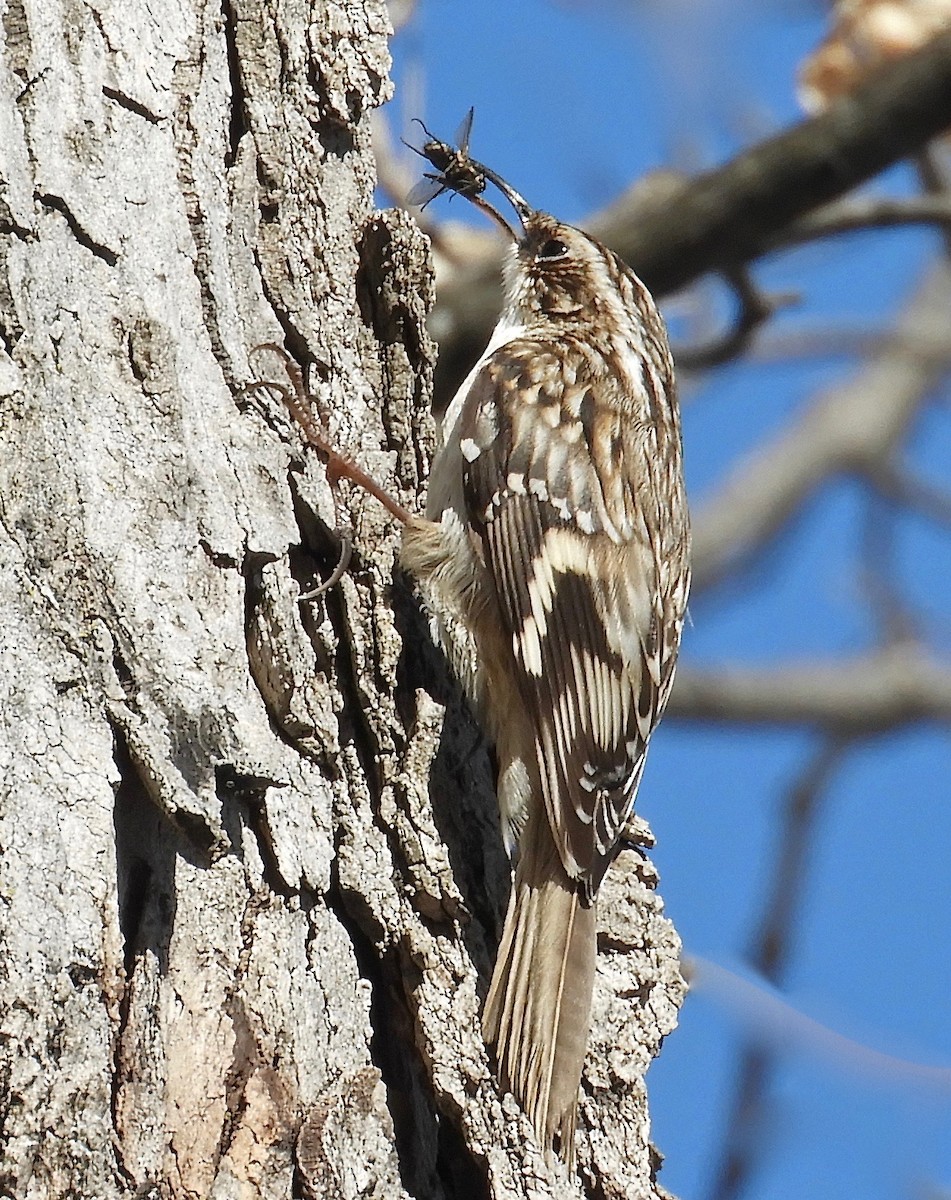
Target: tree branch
769	952
892	687
732	214
866	213
754	310
906	488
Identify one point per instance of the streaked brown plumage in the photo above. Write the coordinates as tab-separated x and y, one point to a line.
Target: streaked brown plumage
555	557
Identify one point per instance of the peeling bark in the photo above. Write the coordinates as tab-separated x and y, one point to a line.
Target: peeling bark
252	880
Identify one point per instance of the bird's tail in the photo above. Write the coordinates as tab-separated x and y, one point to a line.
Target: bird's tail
538	1010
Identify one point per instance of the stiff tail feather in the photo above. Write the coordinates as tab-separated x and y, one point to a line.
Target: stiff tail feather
538	1010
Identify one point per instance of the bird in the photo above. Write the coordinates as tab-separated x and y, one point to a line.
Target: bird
554	559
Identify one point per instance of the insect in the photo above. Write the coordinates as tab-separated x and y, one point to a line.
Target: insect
457	172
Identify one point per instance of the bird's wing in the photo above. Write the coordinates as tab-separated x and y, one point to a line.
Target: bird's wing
555	483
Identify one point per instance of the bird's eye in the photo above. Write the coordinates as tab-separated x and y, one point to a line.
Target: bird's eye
551	250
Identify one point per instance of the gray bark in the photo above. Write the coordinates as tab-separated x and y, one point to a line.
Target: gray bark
251	879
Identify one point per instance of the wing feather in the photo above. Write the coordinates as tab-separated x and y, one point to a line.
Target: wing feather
578	580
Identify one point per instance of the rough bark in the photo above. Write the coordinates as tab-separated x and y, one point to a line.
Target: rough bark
251	878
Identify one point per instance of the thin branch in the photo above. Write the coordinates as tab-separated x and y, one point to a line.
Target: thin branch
864	214
933	175
852	427
768	954
895	686
878	575
769	1017
771	942
754	310
843	341
904	487
732	214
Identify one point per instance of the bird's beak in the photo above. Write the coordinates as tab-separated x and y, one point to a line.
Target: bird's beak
523	210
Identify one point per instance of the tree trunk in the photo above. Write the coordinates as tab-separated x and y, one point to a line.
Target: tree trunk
252	880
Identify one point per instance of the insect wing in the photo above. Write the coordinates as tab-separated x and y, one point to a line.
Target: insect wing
464	132
426	190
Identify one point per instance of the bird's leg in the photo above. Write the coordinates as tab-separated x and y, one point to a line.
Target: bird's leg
339	466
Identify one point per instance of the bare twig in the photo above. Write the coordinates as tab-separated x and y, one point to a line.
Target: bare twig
933	173
774	1021
733	213
768	954
909	489
844	341
755	308
877	534
853	427
866	213
770	943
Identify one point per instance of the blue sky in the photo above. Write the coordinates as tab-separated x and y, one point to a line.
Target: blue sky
573	102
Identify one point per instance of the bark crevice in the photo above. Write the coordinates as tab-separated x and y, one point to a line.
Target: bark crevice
85	239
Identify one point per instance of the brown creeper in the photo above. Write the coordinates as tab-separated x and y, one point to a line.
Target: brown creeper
555	555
